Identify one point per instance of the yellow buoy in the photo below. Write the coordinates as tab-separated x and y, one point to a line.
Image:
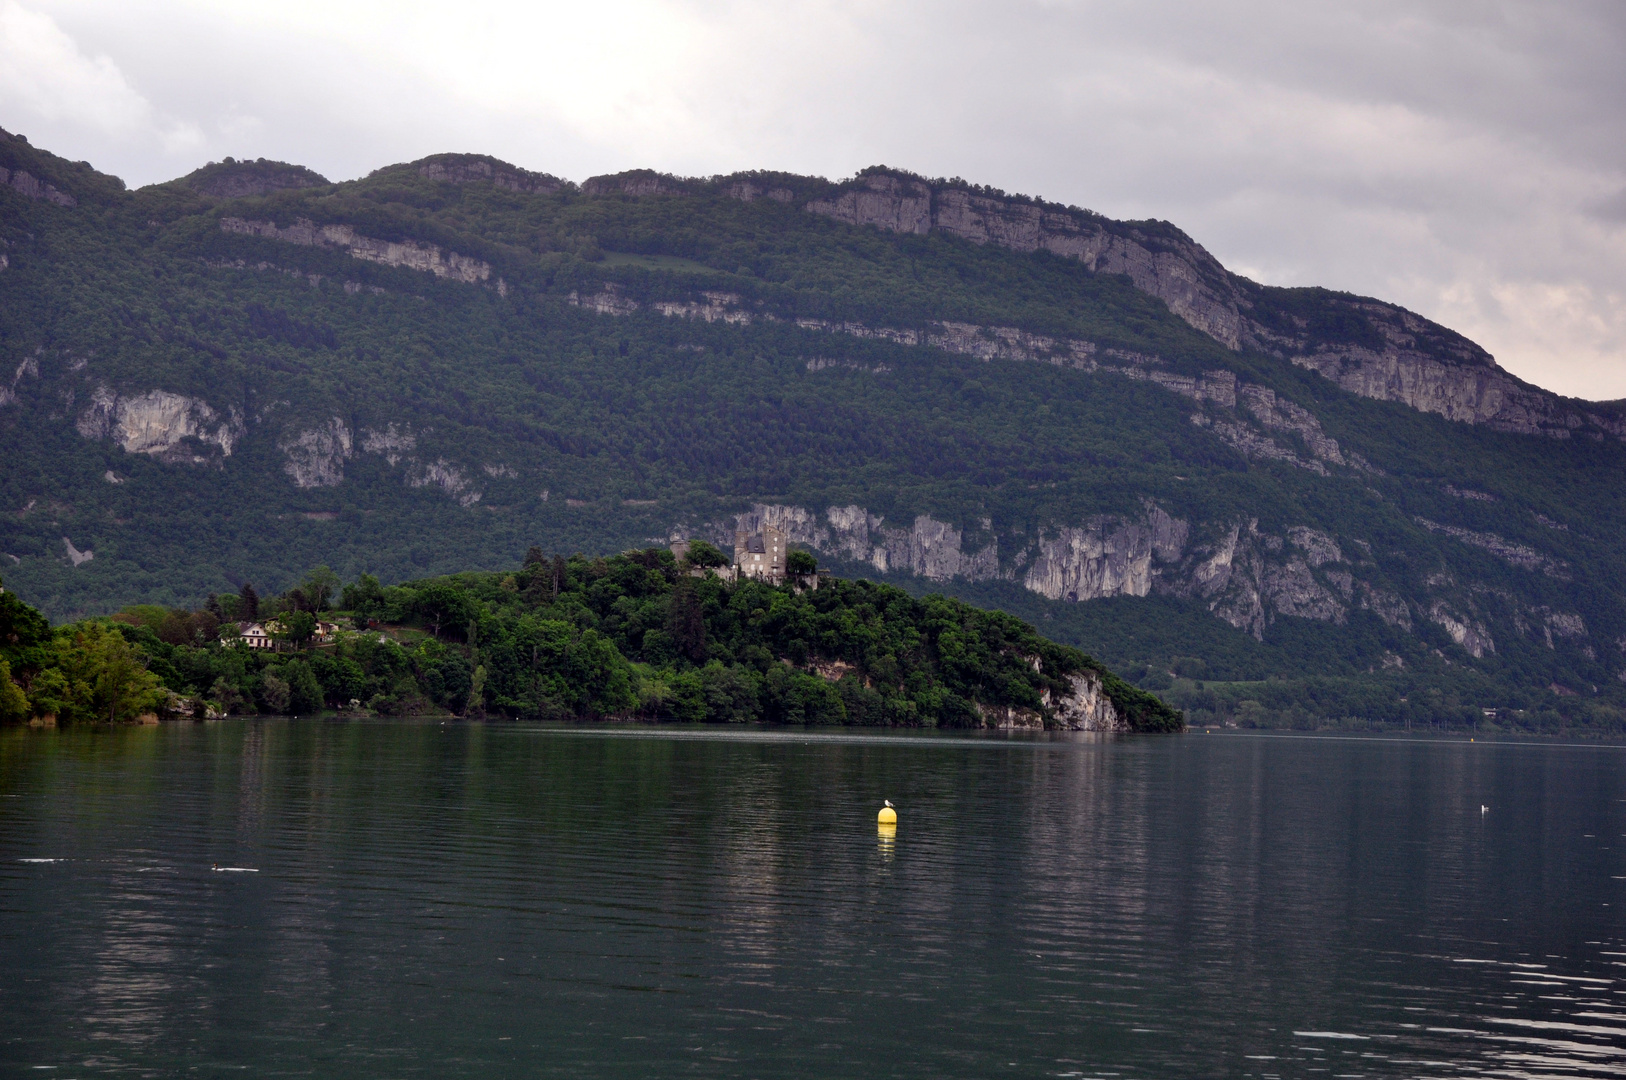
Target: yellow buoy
887	816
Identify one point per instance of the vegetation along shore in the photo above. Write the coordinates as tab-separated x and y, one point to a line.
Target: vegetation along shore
641	635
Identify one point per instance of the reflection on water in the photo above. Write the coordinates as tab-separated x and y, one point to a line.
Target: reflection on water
450	900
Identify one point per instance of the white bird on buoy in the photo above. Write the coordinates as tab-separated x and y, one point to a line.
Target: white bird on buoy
888	814
1483	809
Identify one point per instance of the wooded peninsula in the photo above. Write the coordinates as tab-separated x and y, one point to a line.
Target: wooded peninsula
640	635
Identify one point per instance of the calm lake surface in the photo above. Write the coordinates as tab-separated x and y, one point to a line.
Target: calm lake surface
512	900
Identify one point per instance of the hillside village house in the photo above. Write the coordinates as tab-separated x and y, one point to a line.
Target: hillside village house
267	635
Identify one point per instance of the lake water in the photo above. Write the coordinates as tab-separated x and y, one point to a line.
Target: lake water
512	900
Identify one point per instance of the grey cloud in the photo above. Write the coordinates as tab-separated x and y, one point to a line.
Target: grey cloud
1612	208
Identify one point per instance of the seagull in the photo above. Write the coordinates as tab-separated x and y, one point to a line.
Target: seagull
889	803
1483	809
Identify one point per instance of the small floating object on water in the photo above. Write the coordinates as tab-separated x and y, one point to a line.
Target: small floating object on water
1483	809
217	868
42	860
888	815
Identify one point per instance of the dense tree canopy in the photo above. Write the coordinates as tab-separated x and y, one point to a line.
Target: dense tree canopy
638	634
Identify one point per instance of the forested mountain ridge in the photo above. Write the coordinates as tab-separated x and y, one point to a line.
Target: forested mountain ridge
1089	422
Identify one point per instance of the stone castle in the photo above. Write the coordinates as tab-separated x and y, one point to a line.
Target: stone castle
760	555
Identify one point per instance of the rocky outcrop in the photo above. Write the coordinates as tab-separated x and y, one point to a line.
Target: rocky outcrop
1520	555
475	169
29	186
1383	352
172	427
1467	632
928	548
447	477
607	301
316	456
1473	392
1247	577
1386	605
75	556
1108	556
1159	259
427	258
712	307
749	190
1555	624
393	443
231	179
8	393
1085	706
637	182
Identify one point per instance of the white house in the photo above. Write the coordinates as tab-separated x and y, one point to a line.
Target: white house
255	637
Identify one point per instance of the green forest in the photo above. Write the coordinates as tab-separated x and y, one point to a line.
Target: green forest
637	635
454	424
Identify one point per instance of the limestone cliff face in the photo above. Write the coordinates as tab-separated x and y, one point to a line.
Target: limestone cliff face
445	476
1248	578
31	187
929	548
1431	369
423	257
1466	631
315	457
1520	555
474	169
161	423
245	179
1108	556
390	441
1384	351
636	182
1162	262
29	367
1084	707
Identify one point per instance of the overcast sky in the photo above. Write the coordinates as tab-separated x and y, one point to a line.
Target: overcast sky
1465	159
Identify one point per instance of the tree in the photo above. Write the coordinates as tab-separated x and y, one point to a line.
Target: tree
299	626
443	604
686	621
705	555
21	627
304	691
13	702
274	692
534	555
104	676
321	584
365	597
801	564
248	603
558	575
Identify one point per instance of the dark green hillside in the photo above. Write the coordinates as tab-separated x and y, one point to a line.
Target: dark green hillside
634	635
233	376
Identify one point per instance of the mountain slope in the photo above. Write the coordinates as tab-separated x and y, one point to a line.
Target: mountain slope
248	371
